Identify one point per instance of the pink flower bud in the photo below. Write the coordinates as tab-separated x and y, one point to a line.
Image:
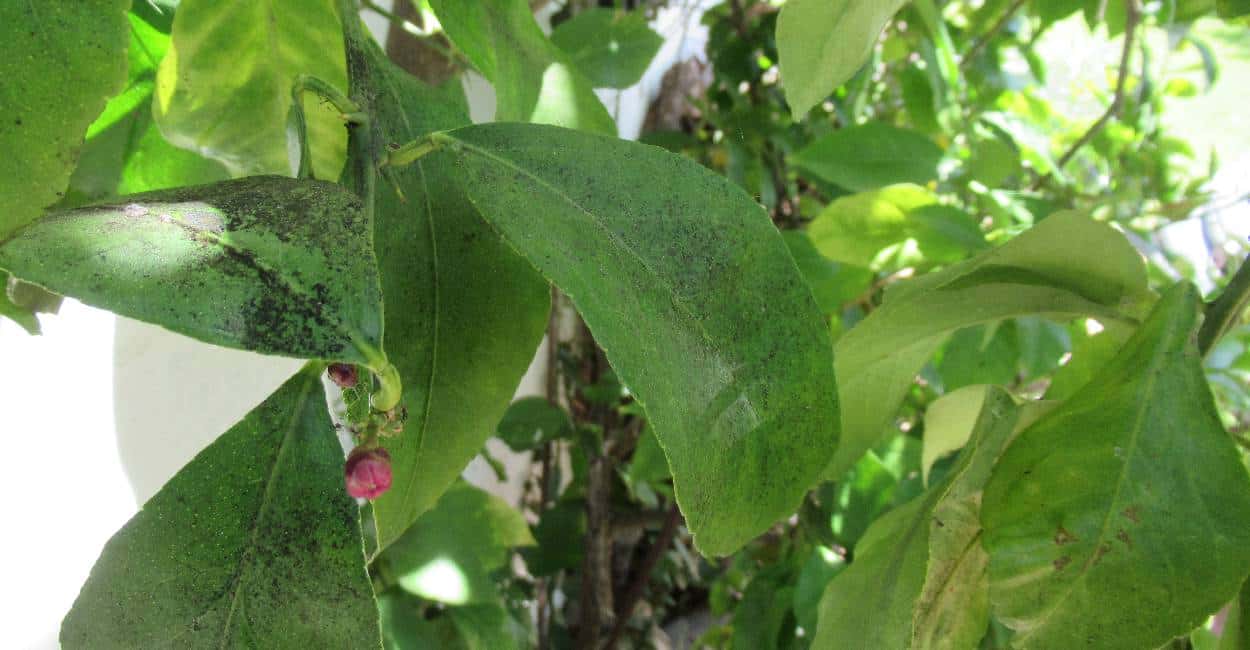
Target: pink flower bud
343	374
368	472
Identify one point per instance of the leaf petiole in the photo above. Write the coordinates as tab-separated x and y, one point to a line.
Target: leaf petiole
349	110
406	154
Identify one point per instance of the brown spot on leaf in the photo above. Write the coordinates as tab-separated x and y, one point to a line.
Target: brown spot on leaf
1103	549
1062	562
1132	514
1064	536
1123	537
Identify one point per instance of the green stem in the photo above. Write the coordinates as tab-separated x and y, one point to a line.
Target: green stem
390	388
1225	312
304	83
411	152
389	391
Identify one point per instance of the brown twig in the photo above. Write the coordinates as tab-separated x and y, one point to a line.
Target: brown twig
1132	16
988	36
643	577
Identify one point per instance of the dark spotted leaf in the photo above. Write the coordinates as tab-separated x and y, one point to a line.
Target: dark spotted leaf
276	265
689	289
254	543
1128	494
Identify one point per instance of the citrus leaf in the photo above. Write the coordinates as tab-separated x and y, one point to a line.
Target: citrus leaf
917	579
871	156
270	264
72	58
689	289
1083	508
449	553
534	80
823	42
612	48
464	312
1065	267
224	89
254	542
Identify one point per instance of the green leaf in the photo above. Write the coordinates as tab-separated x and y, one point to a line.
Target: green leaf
648	463
405	626
148	46
612	48
822	43
1081	516
1232	8
489	627
254	542
534	80
821	567
865	493
64	60
531	421
949	421
560	533
759	617
449	553
914	579
1090	353
981	354
224	89
833	284
896	226
270	264
871	156
689	289
1065	267
125	152
465	313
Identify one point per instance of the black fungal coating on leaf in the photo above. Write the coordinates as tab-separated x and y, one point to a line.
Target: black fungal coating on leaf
266	263
690	290
253	543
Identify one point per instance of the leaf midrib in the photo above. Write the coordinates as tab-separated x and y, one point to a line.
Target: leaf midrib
411	487
1152	375
297	413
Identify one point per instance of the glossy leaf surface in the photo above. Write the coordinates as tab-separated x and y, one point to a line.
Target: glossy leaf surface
690	290
73	58
464	312
1082	508
253	543
823	43
224	89
270	264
